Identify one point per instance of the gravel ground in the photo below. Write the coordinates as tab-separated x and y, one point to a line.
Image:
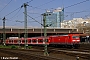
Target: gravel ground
61	56
54	54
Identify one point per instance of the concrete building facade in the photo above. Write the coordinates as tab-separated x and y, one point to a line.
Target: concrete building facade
74	22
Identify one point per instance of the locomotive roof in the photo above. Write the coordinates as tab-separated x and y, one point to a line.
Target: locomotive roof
59	35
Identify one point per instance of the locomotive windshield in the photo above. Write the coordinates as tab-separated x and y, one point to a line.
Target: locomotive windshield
75	37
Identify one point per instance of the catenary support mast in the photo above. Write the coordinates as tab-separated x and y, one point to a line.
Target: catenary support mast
25	23
45	40
4	37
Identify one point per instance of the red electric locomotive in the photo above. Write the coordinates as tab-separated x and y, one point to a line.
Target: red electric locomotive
71	40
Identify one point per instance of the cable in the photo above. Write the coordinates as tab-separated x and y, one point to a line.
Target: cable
42	5
76	4
17	9
16	14
80	11
35	17
41	23
6	5
87	15
32	13
46	3
35	20
37	8
14	24
41	8
12	11
29	1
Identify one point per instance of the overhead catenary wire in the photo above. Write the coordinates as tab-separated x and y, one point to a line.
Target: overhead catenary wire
46	3
29	6
35	20
6	6
29	1
86	10
87	15
41	9
16	13
12	11
16	9
76	4
41	23
37	8
36	17
33	13
42	5
64	8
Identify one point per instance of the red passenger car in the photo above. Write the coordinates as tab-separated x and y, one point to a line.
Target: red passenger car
29	41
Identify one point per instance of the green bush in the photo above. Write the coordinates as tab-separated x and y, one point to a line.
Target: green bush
13	47
29	47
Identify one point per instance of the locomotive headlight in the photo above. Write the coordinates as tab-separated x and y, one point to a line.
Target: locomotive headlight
78	40
73	40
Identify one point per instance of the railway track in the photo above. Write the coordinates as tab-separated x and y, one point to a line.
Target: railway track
27	55
83	52
37	54
71	52
84	55
55	53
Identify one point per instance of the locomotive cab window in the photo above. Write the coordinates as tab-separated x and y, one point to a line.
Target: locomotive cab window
75	37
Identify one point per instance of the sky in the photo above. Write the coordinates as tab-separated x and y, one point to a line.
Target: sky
12	11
